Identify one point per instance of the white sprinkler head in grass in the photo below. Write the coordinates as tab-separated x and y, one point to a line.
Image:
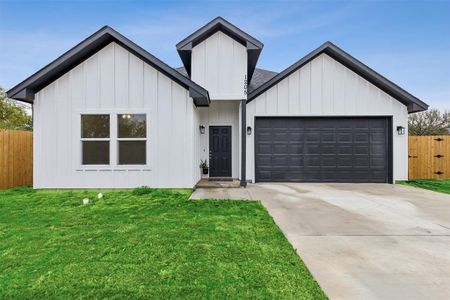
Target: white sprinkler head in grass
100	196
85	201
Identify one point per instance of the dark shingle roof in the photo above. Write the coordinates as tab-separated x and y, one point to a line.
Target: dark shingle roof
260	76
182	70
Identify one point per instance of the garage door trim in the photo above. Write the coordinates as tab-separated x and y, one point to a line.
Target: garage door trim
389	136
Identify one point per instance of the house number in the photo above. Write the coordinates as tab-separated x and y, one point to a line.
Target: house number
245	84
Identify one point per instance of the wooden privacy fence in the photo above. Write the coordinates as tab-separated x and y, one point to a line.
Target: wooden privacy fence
429	157
16	158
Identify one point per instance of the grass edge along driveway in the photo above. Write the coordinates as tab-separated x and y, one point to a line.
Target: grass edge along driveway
155	245
437	185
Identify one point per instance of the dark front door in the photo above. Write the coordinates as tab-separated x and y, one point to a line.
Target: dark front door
220	151
323	149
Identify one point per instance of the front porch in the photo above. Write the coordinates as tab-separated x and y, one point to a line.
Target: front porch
218	183
221	143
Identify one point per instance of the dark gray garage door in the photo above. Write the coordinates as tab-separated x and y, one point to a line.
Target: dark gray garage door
322	149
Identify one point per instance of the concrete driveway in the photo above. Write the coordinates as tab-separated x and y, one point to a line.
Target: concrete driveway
363	241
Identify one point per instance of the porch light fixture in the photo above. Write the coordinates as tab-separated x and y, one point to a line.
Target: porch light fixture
202	129
249	130
400	130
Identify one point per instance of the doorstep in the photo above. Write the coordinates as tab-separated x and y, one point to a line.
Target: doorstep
220	183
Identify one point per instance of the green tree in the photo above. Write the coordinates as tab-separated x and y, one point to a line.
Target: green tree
430	122
13	115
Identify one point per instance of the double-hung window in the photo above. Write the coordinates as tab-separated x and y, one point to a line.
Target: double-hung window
95	139
98	138
132	139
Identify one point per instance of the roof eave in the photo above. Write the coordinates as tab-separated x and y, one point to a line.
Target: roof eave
213	26
412	102
25	90
254	47
24	95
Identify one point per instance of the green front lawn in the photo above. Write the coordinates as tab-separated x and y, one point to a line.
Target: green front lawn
157	245
438	185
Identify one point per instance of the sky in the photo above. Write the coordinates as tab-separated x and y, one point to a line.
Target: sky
406	41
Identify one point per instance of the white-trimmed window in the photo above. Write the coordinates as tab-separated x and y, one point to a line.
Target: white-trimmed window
95	139
131	139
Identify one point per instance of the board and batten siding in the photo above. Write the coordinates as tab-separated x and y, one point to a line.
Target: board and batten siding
114	81
324	87
219	64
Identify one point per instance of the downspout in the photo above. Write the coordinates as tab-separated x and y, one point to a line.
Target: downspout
243	141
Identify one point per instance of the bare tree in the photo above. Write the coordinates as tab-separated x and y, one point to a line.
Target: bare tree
430	122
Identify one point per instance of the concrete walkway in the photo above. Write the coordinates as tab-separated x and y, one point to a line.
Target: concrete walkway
362	241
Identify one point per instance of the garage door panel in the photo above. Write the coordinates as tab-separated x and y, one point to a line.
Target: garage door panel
296	176
344	137
361	149
344	175
345	162
345	149
264	160
361	137
312	175
312	137
264	175
330	149
377	124
296	135
312	161
329	161
377	137
328	137
264	148
361	161
345	124
279	135
295	161
377	162
377	149
295	148
377	176
312	148
360	124
280	148
280	160
265	136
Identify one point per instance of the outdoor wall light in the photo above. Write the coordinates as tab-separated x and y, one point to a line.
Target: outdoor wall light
249	130
400	130
202	129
